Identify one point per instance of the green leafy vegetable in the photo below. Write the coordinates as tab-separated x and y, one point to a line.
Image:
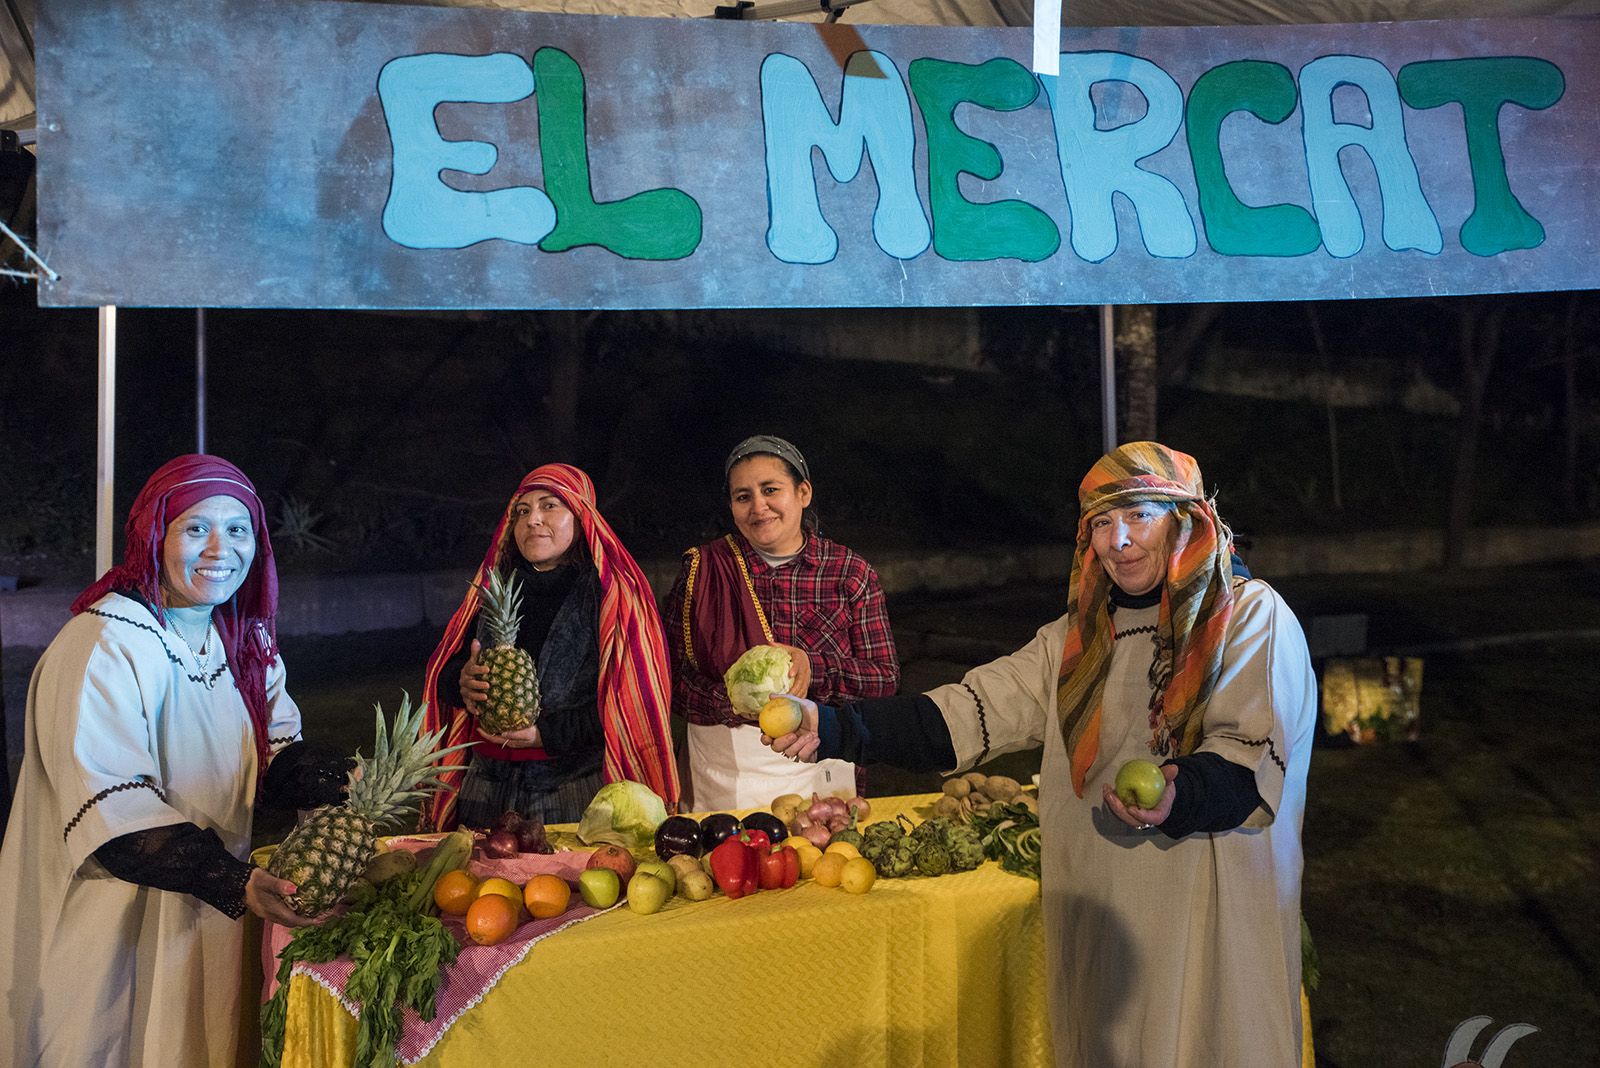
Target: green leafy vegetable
758	674
623	813
1010	834
400	955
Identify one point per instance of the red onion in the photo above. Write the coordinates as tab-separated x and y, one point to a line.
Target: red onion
859	808
817	834
820	809
501	844
837	823
799	824
837	807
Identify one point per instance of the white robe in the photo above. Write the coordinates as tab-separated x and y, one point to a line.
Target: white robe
125	732
1165	953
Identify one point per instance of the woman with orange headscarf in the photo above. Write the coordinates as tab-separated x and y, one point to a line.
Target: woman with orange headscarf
590	623
1173	932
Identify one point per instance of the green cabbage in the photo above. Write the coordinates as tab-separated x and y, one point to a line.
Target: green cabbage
623	813
761	672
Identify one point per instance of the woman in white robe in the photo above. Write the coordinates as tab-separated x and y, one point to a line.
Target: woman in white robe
150	721
1173	933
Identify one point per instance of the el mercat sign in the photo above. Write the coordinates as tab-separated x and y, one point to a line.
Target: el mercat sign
332	155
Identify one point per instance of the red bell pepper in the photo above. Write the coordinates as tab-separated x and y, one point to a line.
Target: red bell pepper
758	839
780	868
735	867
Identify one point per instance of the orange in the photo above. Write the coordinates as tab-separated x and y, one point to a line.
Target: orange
454	892
504	887
546	896
491	919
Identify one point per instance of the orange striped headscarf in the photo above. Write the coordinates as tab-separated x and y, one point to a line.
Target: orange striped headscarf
1196	604
635	692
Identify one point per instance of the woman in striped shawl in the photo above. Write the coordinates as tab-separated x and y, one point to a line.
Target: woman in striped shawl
1173	932
590	623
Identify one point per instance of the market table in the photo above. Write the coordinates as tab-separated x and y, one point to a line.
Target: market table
919	971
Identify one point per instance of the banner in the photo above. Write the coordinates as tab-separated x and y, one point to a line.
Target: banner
205	153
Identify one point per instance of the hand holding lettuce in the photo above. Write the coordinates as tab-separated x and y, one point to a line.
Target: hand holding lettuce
764	670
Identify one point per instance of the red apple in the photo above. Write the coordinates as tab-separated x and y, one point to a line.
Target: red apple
614	857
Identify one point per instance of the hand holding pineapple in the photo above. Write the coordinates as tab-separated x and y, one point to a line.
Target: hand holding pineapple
474	681
264	895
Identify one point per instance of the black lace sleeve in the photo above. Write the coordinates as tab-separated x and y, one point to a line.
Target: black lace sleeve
181	858
305	775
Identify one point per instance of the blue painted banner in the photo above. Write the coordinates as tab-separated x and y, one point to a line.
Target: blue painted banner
197	152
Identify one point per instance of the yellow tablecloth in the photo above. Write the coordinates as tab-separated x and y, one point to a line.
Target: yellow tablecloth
917	972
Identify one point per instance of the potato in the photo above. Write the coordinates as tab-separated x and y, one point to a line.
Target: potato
950	808
1002	787
1029	802
957	788
976	779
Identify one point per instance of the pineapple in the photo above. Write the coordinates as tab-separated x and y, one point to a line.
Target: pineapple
330	850
513	702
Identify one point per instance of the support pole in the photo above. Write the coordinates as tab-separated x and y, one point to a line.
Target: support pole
1108	377
105	451
199	380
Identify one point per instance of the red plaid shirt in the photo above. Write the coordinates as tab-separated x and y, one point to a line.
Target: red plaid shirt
826	603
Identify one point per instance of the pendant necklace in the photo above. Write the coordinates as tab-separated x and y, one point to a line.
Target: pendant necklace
201	655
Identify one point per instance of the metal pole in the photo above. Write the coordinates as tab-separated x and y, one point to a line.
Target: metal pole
105	452
200	380
1108	378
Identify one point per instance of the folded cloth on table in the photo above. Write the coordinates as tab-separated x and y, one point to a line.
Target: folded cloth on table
477	968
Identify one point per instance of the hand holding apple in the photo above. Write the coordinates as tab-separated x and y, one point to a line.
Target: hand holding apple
1138	817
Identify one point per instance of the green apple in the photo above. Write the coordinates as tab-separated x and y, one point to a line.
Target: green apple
695	886
663	871
599	887
1140	784
647	893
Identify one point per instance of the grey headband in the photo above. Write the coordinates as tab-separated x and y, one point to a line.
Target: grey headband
767	443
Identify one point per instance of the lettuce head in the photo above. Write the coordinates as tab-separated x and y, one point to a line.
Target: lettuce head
761	672
623	813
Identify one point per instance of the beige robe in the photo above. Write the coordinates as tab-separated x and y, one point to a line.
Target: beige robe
1165	953
125	732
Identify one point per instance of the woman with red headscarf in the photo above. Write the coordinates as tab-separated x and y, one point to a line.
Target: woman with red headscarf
156	720
590	624
1172	932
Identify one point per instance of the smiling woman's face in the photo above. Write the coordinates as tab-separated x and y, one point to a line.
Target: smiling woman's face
1133	544
542	527
207	553
768	504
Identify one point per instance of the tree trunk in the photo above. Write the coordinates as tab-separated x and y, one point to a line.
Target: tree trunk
1333	422
1477	339
568	338
1138	376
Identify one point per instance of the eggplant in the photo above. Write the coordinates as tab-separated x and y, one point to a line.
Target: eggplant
717	828
677	835
766	821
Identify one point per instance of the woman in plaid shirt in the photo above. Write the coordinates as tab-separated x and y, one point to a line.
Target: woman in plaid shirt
776	581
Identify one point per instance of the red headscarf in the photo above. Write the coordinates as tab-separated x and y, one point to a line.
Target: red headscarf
635	693
248	621
1196	603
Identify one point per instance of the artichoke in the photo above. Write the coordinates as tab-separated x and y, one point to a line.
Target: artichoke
885	830
965	847
895	859
933	859
851	836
